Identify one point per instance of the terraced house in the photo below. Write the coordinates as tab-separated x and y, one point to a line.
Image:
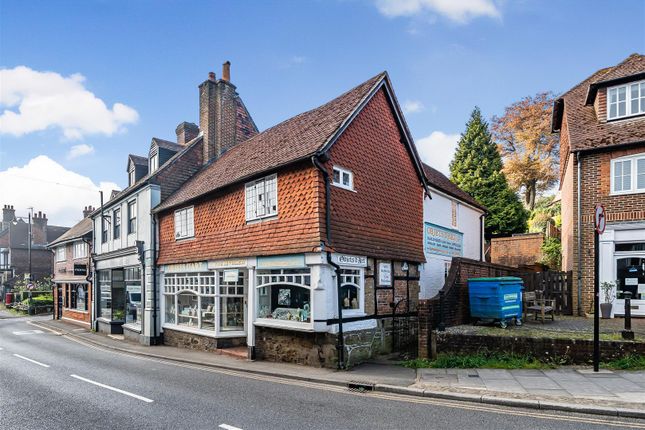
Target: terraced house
301	243
601	122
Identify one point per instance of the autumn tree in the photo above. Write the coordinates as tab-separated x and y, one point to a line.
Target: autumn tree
477	169
529	149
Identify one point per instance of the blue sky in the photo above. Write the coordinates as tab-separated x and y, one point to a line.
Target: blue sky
287	56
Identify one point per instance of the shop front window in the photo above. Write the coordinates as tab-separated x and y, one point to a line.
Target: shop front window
351	288
284	295
81	297
118	295
133	295
105	290
208	301
630	275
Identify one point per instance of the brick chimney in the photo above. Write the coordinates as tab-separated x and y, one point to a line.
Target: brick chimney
87	210
223	118
39	228
186	131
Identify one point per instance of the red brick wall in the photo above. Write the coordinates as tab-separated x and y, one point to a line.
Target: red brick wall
221	230
65	270
521	249
384	216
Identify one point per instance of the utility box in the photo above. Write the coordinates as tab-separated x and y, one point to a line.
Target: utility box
496	299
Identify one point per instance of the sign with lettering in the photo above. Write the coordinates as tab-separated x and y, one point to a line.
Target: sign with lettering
200	266
384	275
231	275
442	241
349	260
282	262
80	269
229	262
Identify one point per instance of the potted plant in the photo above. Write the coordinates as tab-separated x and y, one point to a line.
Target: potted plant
608	292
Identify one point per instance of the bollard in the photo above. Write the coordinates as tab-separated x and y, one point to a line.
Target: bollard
628	334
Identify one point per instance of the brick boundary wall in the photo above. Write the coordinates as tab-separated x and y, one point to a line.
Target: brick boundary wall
517	250
550	350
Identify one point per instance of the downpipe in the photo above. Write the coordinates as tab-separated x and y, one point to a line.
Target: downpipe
579	238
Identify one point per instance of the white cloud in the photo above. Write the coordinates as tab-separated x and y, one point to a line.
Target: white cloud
412	106
438	149
47	186
80	150
460	11
35	101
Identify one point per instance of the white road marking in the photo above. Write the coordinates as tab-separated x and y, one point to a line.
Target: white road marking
228	427
26	332
127	393
79	329
32	361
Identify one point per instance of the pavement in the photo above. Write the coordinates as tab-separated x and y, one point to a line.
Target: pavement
574	389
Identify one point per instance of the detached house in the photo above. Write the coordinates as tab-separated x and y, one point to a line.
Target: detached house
125	243
601	122
301	241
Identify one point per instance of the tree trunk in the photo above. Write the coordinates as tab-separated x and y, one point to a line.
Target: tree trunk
531	190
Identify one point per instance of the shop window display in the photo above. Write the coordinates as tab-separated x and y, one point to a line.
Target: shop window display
350	288
284	295
133	295
105	289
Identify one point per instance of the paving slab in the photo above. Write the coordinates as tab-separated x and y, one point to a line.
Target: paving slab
504	385
537	382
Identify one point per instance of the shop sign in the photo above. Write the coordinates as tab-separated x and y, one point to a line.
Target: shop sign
384	274
186	267
231	275
349	260
229	262
282	262
442	241
80	269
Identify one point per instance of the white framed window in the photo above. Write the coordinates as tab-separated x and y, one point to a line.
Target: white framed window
60	253
343	178
131	176
352	290
184	223
626	100
284	297
80	249
262	198
154	162
132	216
628	174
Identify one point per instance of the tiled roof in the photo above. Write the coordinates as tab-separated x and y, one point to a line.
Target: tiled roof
138	160
294	139
438	180
166	144
79	230
585	131
55	231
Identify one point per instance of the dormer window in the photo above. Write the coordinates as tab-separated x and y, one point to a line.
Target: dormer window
626	100
131	176
154	162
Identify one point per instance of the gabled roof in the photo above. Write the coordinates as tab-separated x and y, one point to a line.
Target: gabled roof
79	230
439	181
586	132
295	139
137	160
166	144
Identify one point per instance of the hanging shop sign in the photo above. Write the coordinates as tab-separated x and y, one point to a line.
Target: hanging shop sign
442	241
229	262
282	262
349	260
186	267
384	275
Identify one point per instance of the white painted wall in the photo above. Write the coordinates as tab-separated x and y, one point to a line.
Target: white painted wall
438	210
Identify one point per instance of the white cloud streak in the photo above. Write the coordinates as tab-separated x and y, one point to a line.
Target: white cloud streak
80	150
47	186
412	106
460	11
438	150
33	101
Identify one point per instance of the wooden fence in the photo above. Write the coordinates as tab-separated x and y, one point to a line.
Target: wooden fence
554	285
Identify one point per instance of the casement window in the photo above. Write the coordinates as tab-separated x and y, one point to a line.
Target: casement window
105	228
131	176
154	162
60	253
132	217
628	174
80	250
117	224
351	289
184	223
343	178
626	100
262	198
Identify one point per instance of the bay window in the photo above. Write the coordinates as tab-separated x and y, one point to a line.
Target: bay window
626	100
210	302
284	295
628	174
261	198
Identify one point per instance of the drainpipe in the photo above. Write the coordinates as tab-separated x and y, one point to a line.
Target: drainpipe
481	236
579	238
88	277
340	345
153	268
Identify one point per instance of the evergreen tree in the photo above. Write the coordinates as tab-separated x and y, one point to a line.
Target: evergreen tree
477	169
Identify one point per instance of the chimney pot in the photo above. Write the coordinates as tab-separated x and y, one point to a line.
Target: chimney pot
211	76
226	71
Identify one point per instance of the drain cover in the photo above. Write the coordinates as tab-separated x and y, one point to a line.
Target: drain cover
360	387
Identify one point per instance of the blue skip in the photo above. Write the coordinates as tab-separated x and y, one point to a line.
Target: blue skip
496	299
